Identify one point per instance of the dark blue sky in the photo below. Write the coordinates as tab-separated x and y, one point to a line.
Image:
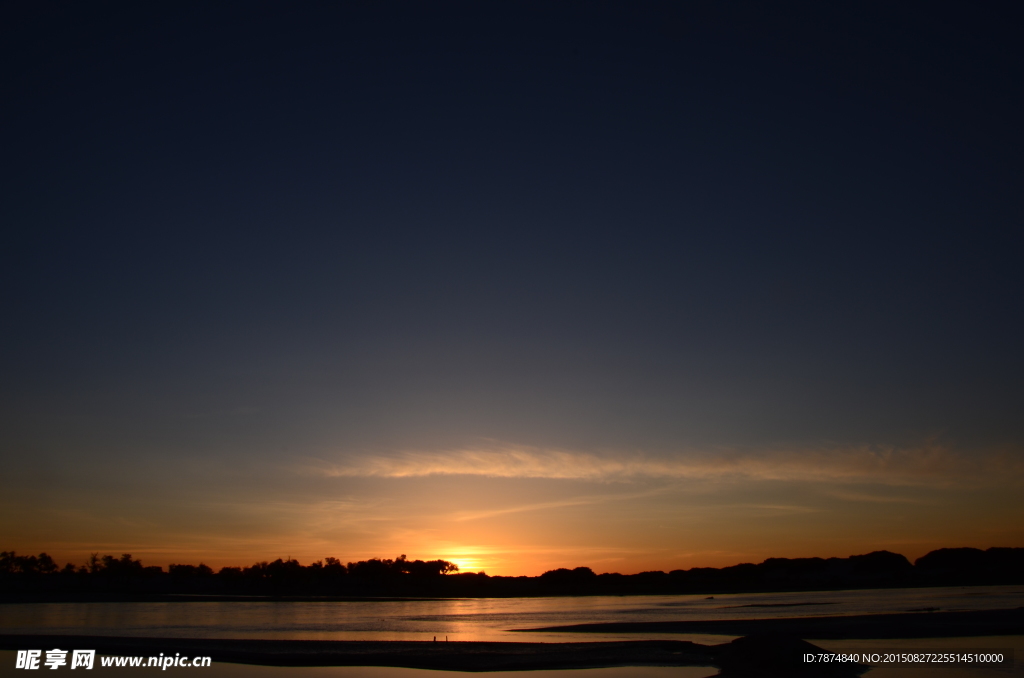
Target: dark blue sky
256	230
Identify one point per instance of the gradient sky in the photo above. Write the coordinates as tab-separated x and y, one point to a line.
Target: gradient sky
521	285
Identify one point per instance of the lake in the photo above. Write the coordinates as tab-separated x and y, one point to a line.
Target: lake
473	619
494	619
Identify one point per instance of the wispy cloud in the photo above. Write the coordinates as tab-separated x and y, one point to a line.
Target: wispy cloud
543	506
927	464
777	509
867	497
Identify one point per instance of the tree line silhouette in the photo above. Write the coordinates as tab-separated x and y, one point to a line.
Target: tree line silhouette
38	577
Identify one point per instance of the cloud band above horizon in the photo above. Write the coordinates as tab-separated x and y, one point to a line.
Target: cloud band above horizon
929	464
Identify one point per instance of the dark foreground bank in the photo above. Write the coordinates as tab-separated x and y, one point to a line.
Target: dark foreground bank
742	658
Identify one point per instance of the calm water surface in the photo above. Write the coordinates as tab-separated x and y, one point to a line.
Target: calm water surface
478	619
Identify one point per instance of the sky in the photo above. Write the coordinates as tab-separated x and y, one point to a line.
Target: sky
522	285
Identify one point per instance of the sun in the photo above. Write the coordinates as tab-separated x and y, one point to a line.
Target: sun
466	563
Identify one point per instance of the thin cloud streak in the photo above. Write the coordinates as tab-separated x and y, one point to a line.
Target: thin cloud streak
872	498
885	464
542	506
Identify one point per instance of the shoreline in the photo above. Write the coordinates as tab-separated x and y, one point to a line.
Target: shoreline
12	595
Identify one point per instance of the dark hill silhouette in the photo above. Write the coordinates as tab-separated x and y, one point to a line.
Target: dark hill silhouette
106	578
971	566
